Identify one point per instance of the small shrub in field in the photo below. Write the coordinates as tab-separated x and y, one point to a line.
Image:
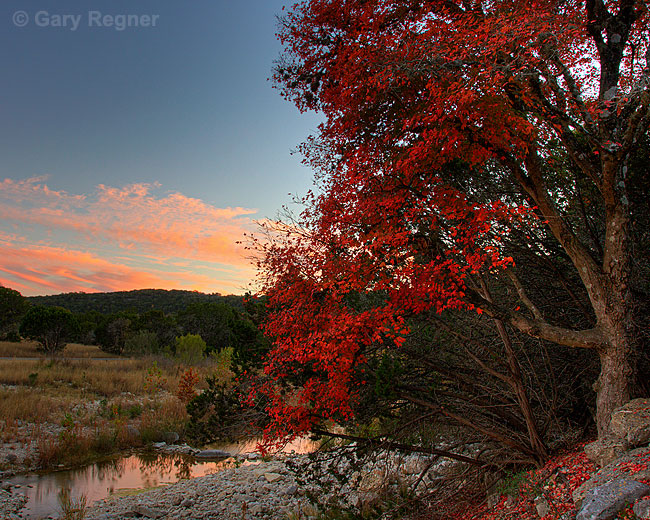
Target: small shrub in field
154	381
186	385
190	349
133	411
169	416
104	442
71	447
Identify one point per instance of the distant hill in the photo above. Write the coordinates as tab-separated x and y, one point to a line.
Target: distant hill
139	300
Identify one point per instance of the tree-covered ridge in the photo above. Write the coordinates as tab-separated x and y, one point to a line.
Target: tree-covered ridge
137	323
141	300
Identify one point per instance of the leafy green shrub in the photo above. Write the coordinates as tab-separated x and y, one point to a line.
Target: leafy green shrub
190	349
13	337
215	414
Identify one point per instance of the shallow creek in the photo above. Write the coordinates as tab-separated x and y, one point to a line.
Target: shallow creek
126	474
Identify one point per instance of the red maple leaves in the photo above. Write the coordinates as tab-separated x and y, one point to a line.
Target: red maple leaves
423	103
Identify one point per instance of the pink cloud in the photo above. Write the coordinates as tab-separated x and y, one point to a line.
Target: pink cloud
119	238
47	269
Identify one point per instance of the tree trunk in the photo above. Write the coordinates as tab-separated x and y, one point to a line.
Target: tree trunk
615	385
614	308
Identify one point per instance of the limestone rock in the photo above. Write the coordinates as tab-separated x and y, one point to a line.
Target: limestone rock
632	422
272	477
373	480
171	437
212	454
634	464
603	451
604	502
132	431
642	509
148	512
542	506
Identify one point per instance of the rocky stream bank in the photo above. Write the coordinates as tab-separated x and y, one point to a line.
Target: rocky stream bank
617	480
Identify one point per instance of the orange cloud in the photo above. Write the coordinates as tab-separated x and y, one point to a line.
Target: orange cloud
47	269
117	239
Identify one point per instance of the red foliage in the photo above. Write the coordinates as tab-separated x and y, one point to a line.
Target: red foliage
187	385
411	92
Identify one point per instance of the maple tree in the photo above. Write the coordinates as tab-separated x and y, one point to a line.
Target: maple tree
452	127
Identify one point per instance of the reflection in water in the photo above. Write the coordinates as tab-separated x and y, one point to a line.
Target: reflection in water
140	471
104	478
299	445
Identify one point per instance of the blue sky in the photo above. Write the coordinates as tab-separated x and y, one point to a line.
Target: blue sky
177	118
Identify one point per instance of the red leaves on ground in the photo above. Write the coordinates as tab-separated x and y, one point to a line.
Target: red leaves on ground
555	482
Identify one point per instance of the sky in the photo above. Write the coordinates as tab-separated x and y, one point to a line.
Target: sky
139	141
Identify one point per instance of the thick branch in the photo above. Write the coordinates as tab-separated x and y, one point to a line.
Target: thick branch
589	338
379	443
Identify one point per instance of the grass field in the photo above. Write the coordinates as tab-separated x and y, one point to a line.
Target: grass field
94	400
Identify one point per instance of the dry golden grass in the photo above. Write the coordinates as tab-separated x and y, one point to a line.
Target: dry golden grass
101	377
30	404
94	400
30	349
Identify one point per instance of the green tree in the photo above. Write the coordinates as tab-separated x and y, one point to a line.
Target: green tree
52	327
141	343
113	331
163	326
190	349
13	307
212	321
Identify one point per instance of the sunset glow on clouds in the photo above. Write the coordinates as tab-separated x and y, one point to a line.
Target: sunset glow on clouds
132	237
